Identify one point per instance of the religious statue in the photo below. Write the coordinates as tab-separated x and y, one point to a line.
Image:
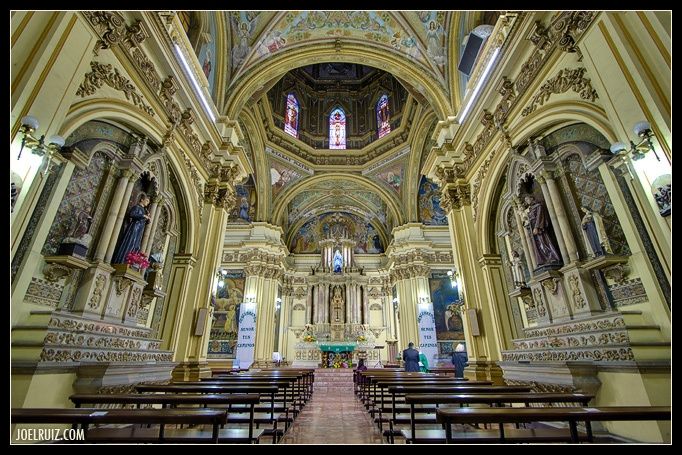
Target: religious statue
131	238
337	304
595	234
538	224
338	262
517	270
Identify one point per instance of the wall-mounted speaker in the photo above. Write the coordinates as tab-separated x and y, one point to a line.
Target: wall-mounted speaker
475	43
470	54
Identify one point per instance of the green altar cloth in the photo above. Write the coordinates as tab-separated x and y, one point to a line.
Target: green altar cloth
341	347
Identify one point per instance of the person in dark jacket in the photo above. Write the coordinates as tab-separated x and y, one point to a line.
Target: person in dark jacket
411	358
459	360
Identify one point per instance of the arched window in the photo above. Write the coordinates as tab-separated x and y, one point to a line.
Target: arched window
383	116
291	116
337	129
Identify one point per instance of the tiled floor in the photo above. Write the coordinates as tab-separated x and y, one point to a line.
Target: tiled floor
333	418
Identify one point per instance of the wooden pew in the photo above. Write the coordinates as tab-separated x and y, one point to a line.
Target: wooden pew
173	400
180	388
86	417
492	399
525	415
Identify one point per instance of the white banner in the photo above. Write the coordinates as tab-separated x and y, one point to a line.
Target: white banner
246	337
427	333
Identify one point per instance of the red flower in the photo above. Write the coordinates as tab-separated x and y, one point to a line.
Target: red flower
137	258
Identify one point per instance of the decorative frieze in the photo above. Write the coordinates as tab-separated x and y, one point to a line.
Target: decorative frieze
43	292
73	339
106	74
591	325
628	292
565	80
604	354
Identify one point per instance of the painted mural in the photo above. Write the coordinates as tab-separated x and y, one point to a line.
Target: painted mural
433	22
430	211
334	193
393	176
224	328
207	54
449	325
379	27
245	207
245	26
281	176
307	238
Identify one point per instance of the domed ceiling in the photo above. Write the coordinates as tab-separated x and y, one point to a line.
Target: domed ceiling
321	89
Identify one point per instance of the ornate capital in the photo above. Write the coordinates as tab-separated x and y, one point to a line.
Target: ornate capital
211	191
455	196
225	199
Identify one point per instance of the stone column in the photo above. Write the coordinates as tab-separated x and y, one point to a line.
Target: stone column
493	276
147	237
483	350
562	218
349	302
525	241
362	293
110	220
309	305
555	221
120	215
407	306
193	347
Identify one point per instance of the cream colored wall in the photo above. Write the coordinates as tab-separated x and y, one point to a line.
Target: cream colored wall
635	389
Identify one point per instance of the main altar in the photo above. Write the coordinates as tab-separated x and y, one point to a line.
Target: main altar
337	355
337	331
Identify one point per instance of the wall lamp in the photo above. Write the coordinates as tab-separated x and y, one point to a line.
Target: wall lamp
29	125
643	131
454	277
221	274
278	303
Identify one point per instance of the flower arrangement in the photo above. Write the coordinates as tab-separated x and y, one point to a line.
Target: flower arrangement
309	338
137	259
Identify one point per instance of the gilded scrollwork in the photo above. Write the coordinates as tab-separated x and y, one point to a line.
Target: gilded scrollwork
106	74
565	80
96	298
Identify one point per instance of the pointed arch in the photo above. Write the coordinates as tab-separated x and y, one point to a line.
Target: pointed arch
291	115
383	115
337	129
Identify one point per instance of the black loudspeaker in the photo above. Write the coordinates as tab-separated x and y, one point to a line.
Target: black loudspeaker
471	50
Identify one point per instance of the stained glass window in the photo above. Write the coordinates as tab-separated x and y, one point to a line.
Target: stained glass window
337	129
383	117
291	116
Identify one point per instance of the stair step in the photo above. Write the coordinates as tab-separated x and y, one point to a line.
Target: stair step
635	317
645	333
652	350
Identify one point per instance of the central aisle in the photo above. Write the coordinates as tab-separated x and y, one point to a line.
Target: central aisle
334	415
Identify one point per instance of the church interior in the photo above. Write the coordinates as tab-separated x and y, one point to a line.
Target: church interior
228	227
